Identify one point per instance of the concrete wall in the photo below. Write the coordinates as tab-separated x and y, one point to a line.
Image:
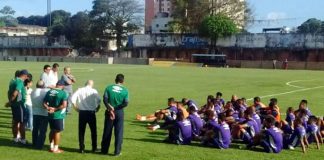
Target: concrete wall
109	60
269	64
260	40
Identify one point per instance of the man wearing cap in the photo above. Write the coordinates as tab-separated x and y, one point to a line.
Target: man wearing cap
86	101
17	98
40	115
115	99
55	103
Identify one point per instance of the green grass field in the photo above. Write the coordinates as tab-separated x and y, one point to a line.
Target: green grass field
149	89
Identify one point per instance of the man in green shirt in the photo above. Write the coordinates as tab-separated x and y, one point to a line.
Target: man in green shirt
55	102
17	97
115	99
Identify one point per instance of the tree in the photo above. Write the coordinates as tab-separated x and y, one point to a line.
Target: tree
217	26
312	25
59	20
188	14
33	20
78	31
6	17
114	19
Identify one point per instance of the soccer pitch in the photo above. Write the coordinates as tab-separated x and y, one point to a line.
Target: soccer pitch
149	89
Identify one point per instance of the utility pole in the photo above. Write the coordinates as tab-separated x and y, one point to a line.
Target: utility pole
49	13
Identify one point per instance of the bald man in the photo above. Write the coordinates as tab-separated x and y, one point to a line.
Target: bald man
87	102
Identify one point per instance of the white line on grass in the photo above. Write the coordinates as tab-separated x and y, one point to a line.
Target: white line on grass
293	91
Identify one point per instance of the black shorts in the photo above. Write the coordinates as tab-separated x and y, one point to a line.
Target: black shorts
18	113
56	124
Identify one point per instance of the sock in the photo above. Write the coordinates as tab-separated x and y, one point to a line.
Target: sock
55	147
52	145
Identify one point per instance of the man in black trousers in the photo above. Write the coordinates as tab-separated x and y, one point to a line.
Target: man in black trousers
86	101
115	99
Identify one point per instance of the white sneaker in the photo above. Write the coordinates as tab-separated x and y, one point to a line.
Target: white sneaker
291	147
23	141
156	127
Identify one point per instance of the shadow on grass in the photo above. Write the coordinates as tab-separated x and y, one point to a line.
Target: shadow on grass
148	140
138	123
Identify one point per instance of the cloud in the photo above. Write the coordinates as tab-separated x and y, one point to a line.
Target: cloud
276	15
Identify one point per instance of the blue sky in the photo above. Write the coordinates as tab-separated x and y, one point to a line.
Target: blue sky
276	13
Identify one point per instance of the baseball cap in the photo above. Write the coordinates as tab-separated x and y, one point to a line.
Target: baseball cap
60	83
24	72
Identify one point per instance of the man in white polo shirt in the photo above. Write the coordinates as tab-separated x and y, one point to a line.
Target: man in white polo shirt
48	77
86	101
40	115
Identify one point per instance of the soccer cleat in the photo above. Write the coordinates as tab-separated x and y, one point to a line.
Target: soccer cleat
291	147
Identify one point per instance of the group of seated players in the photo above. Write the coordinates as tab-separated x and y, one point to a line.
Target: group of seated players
217	124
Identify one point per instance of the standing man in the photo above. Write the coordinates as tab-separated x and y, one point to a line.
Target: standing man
87	102
40	115
55	103
115	99
68	79
55	68
17	98
47	77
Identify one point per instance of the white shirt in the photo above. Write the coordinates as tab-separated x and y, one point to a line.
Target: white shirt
86	99
28	96
48	79
55	76
37	97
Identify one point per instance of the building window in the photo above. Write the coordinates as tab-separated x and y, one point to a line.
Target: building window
166	25
157	25
168	9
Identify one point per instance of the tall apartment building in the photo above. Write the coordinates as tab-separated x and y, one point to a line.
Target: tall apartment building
152	8
154	19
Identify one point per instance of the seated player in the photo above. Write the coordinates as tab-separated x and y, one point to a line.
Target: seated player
189	103
287	125
303	106
312	131
208	106
273	110
255	116
321	126
219	100
229	116
196	122
298	137
211	120
218	106
159	114
246	130
220	136
257	104
270	139
181	132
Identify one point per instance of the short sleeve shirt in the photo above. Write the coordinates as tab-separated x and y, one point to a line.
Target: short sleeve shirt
54	98
18	85
116	94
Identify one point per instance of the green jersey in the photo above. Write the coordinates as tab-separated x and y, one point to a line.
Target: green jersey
17	84
116	95
54	98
